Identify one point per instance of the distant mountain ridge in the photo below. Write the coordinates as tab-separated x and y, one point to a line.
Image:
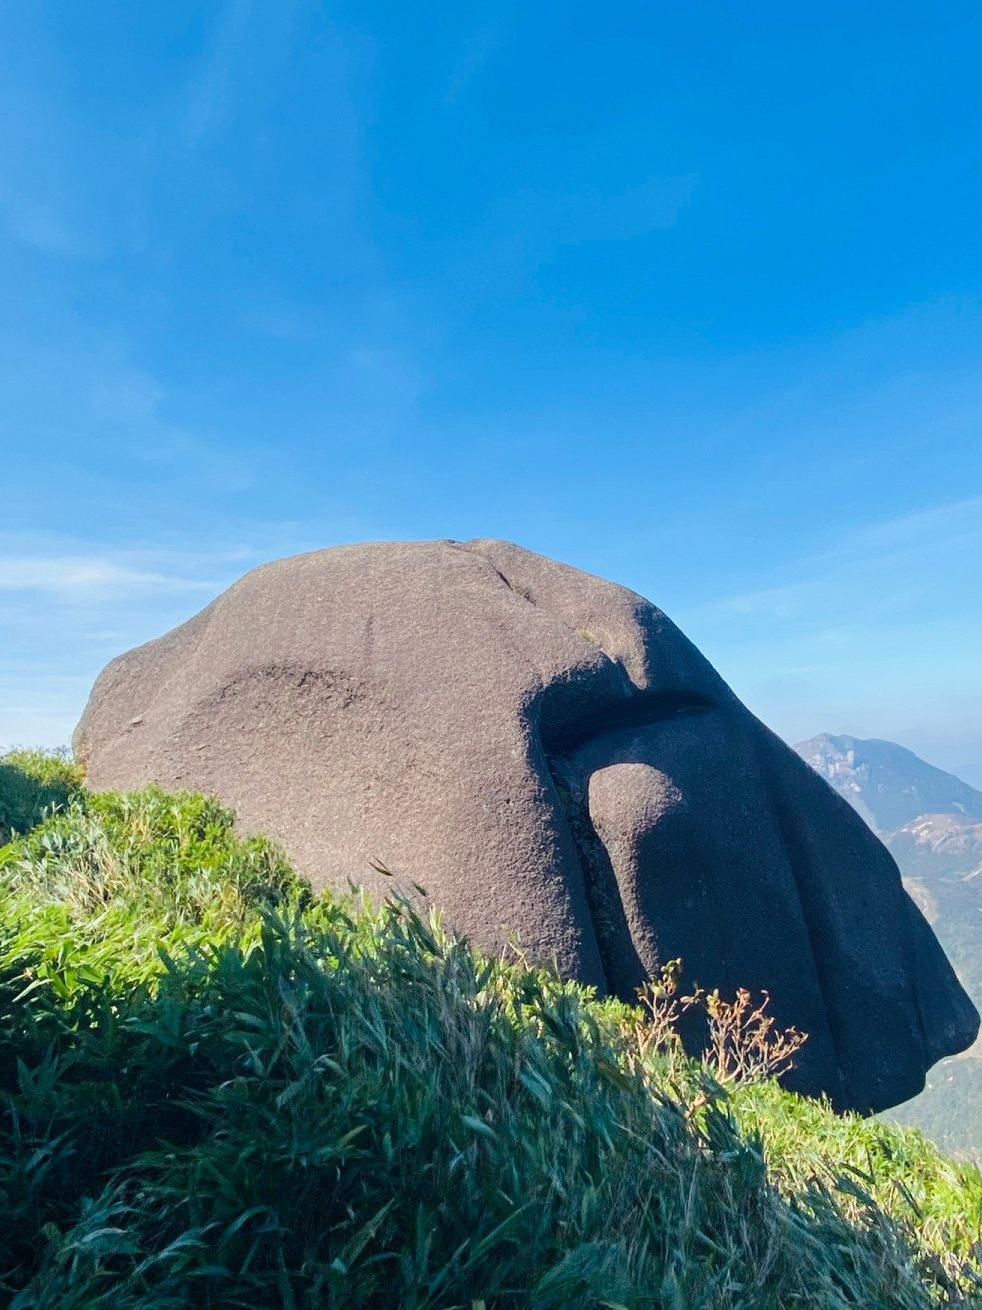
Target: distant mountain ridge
932	823
889	785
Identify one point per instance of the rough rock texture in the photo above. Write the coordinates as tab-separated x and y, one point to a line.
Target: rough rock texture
548	755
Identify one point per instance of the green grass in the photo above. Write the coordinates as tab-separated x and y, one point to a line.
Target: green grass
219	1090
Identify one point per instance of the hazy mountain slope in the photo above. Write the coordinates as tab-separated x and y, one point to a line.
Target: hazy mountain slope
938	844
950	1109
932	823
888	784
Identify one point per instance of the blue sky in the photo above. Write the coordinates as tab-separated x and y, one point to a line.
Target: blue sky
687	295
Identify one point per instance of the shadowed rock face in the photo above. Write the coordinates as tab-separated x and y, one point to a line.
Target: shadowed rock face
550	756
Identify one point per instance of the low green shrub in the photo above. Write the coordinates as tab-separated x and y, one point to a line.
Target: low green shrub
219	1090
31	783
150	852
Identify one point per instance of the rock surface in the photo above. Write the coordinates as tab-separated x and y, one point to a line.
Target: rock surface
549	756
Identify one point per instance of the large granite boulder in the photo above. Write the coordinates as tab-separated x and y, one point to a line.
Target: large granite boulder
549	756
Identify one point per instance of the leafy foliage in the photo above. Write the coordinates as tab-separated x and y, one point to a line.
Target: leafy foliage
219	1090
32	782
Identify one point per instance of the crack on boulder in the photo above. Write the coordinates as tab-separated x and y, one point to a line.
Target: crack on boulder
522	592
333	684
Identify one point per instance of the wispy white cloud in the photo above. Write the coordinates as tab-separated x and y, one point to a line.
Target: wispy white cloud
83	578
42	226
125	394
527	230
282	320
782	602
248	42
210	97
874	634
210	464
950	523
848	575
96	387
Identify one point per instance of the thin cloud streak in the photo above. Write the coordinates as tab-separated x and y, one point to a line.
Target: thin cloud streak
907	543
956	520
78	578
211	97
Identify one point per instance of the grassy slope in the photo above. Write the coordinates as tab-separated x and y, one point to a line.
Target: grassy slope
219	1091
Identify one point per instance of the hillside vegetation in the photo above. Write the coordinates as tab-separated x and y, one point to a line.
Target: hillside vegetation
220	1090
950	1109
31	783
931	822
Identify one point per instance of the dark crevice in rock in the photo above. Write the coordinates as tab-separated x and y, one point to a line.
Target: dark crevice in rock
522	592
622	965
564	733
525	593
